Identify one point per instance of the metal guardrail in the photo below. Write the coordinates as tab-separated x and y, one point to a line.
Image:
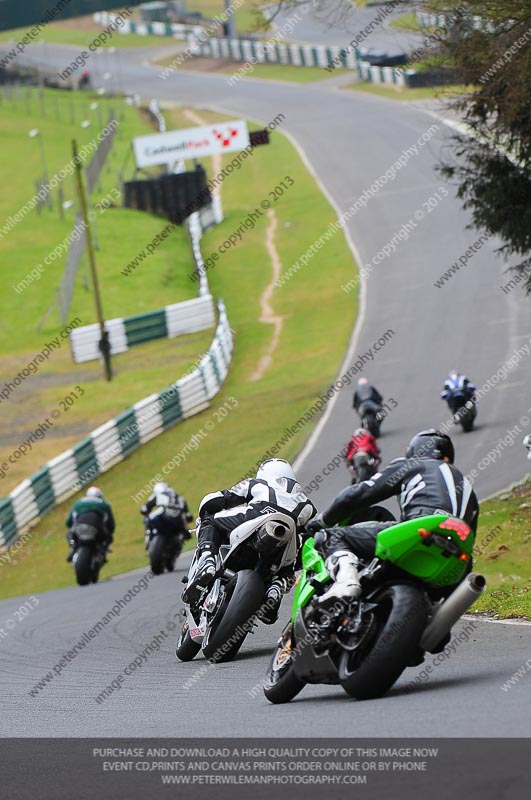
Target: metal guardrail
178	319
297	55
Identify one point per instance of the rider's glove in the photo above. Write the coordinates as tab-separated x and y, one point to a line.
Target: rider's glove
315	524
143	510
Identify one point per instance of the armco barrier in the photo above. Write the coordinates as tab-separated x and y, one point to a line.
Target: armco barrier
410	78
300	55
174	29
427	19
189	316
155	112
297	55
115	440
373	74
196	224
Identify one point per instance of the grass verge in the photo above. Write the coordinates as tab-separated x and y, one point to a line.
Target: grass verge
121	235
408	22
317	321
503	554
248	16
403	93
272	72
80	32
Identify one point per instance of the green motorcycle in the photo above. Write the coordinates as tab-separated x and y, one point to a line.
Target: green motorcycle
408	606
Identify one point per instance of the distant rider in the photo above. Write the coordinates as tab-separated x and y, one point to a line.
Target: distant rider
425	481
362	441
365	393
275	488
91	510
168	510
362	455
457	386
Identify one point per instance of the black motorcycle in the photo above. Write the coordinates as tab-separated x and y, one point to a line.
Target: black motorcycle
90	553
371	416
464	410
165	536
362	466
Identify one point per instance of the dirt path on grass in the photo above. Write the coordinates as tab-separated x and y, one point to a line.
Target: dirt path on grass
268	316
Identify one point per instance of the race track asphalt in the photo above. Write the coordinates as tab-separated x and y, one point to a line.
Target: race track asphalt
350	140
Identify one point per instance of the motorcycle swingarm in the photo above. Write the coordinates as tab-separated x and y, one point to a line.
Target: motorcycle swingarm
308	665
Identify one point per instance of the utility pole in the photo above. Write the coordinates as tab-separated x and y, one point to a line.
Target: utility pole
229	25
104	344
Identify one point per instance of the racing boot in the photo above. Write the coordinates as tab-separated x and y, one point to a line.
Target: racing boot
343	569
269	609
204	576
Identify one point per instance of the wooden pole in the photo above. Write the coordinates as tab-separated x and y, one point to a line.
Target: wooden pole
104	341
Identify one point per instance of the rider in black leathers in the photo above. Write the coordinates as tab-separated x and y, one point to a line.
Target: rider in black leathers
364	393
426	482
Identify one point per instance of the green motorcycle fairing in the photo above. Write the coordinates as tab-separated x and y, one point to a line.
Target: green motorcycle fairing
312	562
436	549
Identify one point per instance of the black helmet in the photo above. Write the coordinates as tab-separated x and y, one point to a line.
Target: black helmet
431	444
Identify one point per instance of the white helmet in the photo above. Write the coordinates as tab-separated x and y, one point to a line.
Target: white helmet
160	487
363	382
94	491
275	468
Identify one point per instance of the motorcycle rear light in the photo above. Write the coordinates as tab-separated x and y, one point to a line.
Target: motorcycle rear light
458	525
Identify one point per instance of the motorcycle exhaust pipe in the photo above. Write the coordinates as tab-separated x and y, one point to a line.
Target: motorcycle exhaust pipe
447	614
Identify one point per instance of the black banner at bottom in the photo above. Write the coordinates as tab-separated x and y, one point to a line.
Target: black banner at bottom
237	769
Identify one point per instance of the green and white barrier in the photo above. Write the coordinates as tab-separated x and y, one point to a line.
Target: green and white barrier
178	319
113	441
173	29
196	224
250	50
427	19
368	72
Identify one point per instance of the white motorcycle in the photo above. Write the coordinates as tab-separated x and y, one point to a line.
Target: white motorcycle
224	614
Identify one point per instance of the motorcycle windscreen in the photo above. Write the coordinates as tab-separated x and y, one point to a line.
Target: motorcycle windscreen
436	549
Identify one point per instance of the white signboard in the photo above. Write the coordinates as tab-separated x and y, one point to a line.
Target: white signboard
163	148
